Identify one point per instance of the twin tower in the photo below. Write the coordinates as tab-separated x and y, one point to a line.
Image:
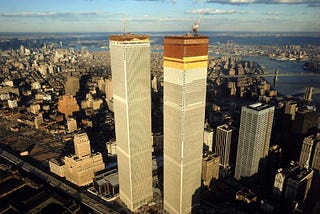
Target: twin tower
185	73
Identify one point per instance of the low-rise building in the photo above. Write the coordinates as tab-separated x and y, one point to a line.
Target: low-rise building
12	103
107	184
57	167
246	195
35	109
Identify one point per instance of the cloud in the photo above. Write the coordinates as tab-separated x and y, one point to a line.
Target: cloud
274	13
210	11
51	14
311	3
247	12
159	19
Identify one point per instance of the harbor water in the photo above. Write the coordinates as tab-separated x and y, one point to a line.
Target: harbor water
289	85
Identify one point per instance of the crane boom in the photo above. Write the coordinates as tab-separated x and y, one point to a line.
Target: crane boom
196	25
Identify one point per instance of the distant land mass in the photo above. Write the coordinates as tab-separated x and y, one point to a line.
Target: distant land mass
95	41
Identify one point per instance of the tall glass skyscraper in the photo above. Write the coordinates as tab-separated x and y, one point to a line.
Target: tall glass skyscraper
185	77
254	138
130	65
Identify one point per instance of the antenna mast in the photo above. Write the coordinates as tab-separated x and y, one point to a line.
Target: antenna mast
124	24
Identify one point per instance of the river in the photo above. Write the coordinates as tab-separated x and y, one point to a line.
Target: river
288	85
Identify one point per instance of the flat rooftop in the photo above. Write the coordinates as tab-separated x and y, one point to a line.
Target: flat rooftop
128	37
259	106
186	40
301	174
226	127
58	162
113	178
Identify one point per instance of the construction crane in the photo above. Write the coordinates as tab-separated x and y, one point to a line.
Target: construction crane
196	25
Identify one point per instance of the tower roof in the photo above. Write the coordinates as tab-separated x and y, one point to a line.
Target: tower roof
259	106
179	47
186	39
128	37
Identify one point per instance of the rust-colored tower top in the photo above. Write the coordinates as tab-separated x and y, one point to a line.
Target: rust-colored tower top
185	46
186	39
128	37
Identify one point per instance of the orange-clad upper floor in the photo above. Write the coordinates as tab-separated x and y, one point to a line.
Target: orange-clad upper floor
180	47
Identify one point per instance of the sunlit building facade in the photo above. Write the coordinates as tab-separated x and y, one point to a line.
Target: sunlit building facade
130	65
223	143
254	138
185	76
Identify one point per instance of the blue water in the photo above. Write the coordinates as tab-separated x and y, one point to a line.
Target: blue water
94	41
288	85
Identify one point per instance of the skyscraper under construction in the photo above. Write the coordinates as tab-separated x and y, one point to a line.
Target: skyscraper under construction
185	73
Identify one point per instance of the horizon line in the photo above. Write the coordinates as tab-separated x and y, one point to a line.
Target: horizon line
119	32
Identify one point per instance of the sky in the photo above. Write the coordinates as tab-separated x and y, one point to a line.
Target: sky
159	15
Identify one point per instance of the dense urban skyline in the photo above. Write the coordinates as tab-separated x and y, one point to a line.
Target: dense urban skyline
159	15
160	106
114	103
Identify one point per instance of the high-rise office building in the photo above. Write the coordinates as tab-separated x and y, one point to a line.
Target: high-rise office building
307	150
108	89
292	183
82	145
254	138
80	167
315	186
281	178
109	93
223	143
316	157
185	74
290	109
72	86
208	139
130	65
308	93
305	120
298	185
210	168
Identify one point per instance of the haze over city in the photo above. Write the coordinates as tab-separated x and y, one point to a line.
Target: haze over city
159	15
